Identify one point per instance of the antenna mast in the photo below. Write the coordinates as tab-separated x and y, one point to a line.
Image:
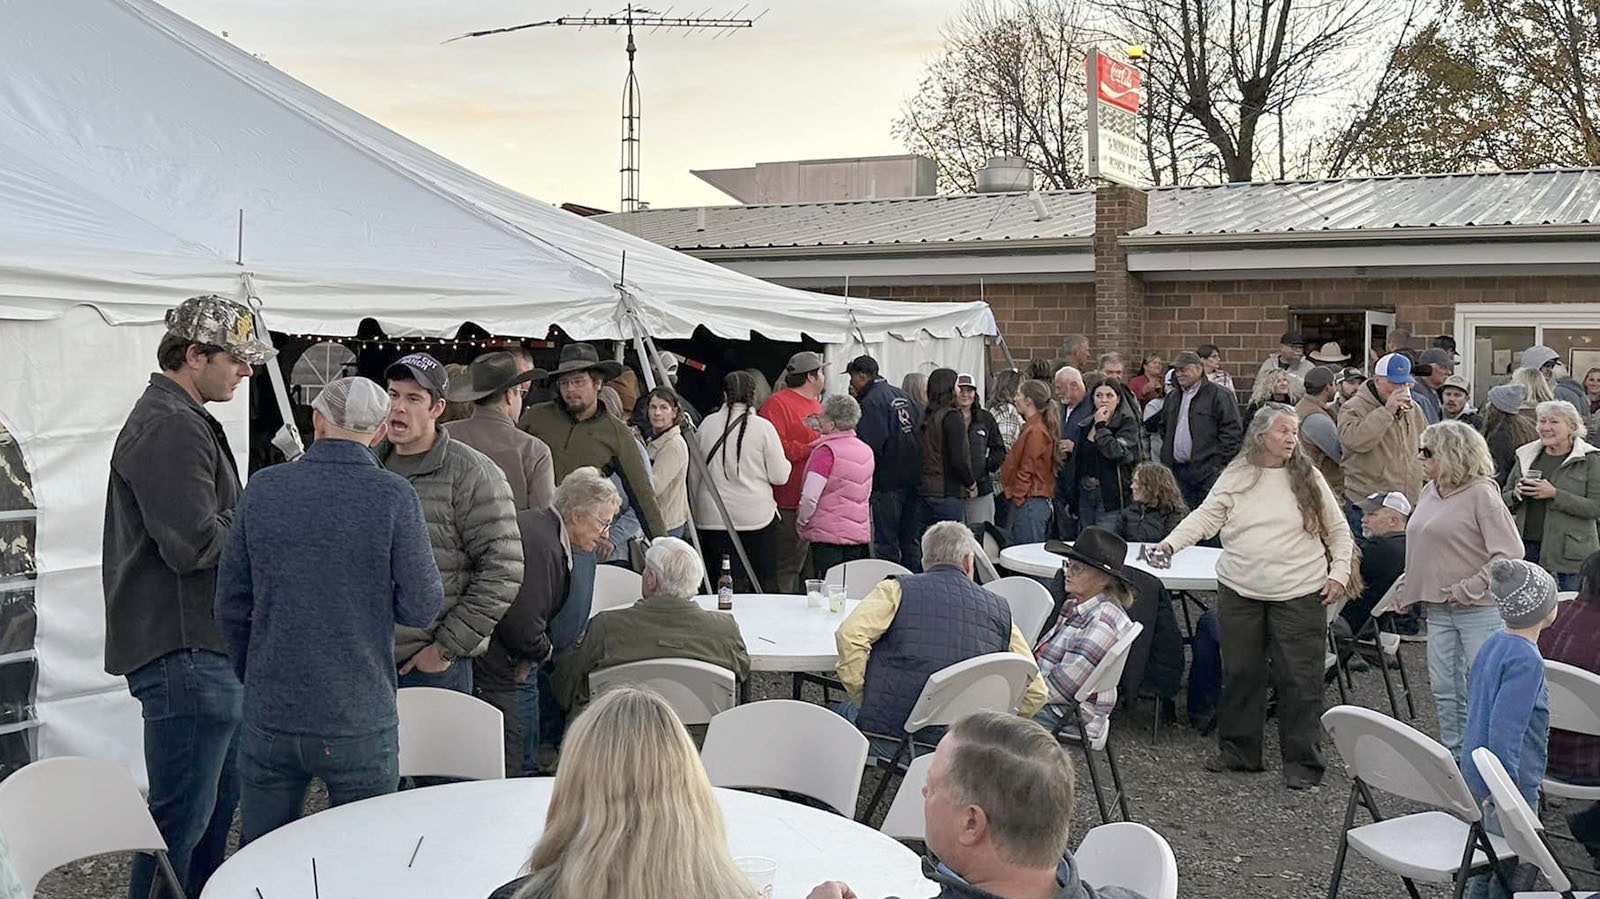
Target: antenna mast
632	107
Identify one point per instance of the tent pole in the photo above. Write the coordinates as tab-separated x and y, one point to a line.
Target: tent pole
645	346
287	440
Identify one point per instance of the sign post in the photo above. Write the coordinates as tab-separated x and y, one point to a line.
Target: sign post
1113	145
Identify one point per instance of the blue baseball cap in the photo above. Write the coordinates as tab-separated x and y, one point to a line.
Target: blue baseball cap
1394	367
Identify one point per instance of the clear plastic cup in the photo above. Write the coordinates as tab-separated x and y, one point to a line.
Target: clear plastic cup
816	593
836	598
762	872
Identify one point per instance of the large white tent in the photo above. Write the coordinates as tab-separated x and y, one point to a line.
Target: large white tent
131	144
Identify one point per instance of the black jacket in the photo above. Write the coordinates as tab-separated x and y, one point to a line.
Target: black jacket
1140	523
169	506
1155	661
985	447
947	468
1214	427
891	426
1109	458
1074	425
522	635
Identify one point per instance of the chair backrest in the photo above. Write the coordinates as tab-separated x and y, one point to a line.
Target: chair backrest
1518	822
444	733
1574	698
781	744
1386	604
615	587
904	820
1131	855
994	681
1399	759
60	810
1030	604
991	546
696	690
1108	673
861	575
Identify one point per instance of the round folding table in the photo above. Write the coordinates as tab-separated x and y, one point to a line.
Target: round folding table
1192	569
781	633
463	840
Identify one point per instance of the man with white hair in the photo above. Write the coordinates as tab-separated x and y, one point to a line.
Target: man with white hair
1076	413
911	626
666	623
326	555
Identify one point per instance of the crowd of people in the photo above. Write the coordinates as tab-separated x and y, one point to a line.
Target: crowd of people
265	629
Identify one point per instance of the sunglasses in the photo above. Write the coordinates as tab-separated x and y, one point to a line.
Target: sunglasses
1424	452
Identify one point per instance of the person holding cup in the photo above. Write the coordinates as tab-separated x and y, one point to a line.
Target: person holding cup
1553	488
1379	426
629	767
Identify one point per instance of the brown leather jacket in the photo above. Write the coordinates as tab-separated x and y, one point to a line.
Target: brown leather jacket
1029	468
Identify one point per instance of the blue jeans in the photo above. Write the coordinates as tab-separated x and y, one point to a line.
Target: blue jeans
878	747
942	508
895	535
1029	520
191	702
1092	511
1530	552
1455	634
457	677
276	769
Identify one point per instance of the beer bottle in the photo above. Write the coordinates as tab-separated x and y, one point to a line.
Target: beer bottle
725	587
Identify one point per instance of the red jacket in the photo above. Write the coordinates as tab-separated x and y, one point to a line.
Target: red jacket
786	409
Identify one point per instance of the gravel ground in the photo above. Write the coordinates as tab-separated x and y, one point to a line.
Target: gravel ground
1235	835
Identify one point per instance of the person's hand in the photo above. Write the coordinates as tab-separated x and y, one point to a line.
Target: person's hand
1102	414
1540	489
1162	558
1398	402
1332	592
429	661
833	889
522	672
603	547
1067	446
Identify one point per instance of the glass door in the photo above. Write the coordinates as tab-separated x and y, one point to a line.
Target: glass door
1377	328
1492	337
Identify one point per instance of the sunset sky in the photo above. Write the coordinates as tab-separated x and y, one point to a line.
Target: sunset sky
539	110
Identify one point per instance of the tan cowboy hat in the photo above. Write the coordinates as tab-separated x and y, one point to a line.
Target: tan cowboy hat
1329	352
491	373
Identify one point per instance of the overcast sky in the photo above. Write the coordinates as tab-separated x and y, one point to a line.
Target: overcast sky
540	110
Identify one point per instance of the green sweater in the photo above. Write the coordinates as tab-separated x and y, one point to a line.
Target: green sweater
602	441
1568	535
660	627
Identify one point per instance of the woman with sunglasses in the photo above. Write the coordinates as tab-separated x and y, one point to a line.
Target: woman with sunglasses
1460	525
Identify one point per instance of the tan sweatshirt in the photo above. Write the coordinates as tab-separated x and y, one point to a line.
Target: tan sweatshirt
1266	552
1450	540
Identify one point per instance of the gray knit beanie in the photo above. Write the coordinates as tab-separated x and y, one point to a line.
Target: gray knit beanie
1525	593
1507	397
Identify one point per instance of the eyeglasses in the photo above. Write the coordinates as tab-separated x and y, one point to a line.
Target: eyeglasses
1424	452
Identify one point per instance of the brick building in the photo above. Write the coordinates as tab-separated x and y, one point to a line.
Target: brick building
1499	261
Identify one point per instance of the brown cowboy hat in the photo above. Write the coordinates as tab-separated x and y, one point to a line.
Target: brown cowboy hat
489	374
582	357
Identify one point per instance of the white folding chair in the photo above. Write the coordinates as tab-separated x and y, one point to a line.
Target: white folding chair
63	809
444	733
860	576
1330	658
1389	646
994	681
780	744
1030	604
615	587
1524	833
1574	706
1105	676
1441	846
1131	855
904	820
696	690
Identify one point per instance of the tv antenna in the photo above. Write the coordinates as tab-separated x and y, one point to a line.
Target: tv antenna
631	17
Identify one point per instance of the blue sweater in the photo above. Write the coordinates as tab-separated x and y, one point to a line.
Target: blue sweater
1507	711
327	554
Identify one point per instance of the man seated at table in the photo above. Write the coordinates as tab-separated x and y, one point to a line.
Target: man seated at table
666	624
998	811
913	625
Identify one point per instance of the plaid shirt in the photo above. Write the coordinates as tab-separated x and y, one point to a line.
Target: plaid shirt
1010	422
1573	639
1079	641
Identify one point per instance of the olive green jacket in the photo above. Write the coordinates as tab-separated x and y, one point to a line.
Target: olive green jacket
1570	534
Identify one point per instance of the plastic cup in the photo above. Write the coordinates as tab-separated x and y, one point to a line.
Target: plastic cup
816	593
762	872
836	598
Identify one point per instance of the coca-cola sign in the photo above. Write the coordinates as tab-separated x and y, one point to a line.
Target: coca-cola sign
1117	83
1114	150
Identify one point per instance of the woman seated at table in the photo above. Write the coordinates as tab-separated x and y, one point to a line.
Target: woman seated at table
1157	505
1095	618
631	813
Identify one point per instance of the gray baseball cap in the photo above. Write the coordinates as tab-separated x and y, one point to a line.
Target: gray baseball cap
353	404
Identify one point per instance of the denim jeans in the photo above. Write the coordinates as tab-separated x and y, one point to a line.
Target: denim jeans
942	508
1455	634
879	747
457	677
191	702
1530	552
1029	520
1092	511
276	768
895	535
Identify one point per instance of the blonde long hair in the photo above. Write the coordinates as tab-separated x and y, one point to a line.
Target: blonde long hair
632	813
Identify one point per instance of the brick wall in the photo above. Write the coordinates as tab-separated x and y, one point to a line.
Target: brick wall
1119	309
1033	318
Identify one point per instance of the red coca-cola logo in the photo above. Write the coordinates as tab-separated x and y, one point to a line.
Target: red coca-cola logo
1117	83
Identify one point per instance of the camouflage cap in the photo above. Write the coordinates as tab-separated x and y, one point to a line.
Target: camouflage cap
213	320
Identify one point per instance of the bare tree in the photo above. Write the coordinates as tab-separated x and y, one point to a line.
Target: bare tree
1230	66
1008	83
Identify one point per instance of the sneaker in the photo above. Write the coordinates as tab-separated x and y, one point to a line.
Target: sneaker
1301	780
1220	763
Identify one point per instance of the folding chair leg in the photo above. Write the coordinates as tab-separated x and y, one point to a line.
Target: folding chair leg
799	687
1405	684
1094	780
1344	843
1464	872
889	771
1388	682
164	863
1116	780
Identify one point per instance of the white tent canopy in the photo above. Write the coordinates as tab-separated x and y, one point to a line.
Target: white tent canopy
130	142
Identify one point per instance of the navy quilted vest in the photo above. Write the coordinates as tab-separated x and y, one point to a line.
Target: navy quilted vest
944	618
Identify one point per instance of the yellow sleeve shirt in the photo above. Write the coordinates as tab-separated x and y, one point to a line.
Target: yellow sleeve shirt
863	626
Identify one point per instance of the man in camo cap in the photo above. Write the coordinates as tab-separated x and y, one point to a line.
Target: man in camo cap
169	506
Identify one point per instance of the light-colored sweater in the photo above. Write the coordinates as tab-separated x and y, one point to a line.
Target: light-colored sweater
743	476
1450	541
1266	552
669	469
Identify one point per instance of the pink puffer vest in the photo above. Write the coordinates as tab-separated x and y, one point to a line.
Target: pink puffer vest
842	509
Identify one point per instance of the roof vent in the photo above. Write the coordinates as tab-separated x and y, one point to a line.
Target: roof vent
1005	174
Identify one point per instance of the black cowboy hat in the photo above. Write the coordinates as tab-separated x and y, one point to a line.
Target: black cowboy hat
489	374
1098	548
582	357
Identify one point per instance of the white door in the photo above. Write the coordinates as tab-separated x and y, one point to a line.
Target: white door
1377	328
